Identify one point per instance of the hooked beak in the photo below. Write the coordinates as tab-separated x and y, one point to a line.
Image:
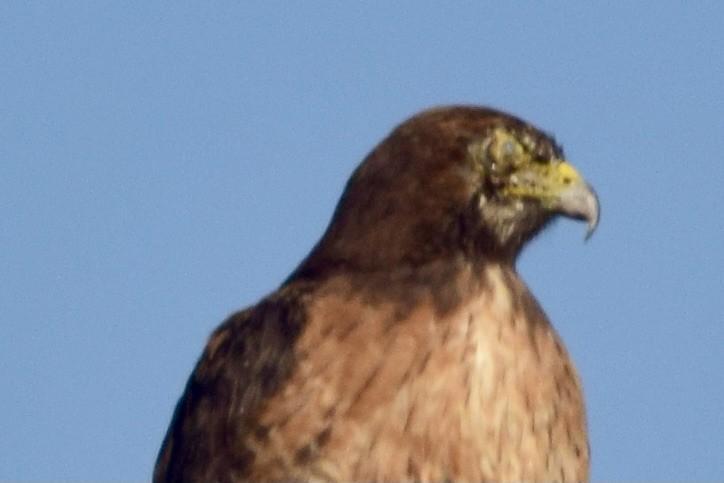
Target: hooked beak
580	201
559	189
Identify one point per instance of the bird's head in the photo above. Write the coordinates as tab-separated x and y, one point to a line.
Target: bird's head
525	181
452	181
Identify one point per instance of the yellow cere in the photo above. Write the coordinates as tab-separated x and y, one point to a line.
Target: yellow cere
542	180
566	173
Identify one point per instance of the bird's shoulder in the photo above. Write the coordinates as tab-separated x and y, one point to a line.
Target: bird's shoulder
245	360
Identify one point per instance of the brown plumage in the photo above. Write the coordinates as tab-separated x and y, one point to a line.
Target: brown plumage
406	346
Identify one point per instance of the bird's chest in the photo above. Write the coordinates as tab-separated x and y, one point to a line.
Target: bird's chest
483	392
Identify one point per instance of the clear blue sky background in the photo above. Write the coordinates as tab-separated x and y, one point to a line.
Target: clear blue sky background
164	165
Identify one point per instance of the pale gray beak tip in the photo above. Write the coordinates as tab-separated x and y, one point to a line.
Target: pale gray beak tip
581	202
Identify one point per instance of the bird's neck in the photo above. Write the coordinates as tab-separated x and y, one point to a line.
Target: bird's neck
444	281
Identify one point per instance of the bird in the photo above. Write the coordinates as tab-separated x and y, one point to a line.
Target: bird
405	346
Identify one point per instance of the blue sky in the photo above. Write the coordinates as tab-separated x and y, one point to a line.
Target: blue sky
162	165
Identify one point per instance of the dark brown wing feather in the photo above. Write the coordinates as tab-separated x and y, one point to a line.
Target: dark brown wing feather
245	361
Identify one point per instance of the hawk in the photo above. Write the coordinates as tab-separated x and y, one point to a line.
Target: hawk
405	346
